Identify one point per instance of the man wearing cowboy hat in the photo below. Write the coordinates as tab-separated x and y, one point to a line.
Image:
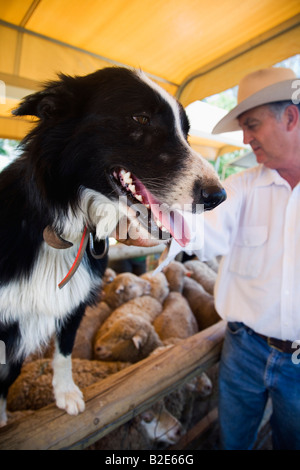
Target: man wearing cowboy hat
257	230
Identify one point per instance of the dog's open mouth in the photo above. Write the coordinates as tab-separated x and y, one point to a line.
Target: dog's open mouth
157	217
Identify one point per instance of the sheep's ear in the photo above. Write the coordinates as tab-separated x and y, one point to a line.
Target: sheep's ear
147	416
120	289
137	341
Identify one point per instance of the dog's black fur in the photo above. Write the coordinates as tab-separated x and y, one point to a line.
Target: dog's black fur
89	127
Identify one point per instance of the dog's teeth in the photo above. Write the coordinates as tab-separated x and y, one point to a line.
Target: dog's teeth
126	180
160	225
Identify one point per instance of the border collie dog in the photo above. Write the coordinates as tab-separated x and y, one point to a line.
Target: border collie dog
109	136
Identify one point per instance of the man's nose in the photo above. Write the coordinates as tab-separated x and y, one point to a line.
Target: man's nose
246	137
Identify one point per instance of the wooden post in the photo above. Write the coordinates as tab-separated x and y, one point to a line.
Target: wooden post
118	398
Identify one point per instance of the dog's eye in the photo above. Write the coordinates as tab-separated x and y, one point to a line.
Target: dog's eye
141	119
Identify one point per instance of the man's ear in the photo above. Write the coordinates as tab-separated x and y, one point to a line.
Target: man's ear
292	116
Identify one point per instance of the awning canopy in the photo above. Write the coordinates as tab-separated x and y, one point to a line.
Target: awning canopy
203	117
192	48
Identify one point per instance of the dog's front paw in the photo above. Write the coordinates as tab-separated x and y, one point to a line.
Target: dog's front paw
70	400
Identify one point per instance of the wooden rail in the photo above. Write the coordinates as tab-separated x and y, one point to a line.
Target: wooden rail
115	400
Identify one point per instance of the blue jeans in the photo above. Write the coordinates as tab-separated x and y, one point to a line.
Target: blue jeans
251	371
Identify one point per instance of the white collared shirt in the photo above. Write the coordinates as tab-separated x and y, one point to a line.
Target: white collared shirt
257	230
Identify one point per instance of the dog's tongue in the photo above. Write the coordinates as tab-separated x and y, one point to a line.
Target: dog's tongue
172	220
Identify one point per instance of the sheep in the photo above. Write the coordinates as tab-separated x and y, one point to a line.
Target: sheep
109	276
175	273
203	274
159	285
131	339
128	334
124	287
176	320
160	425
180	403
213	263
144	306
201	302
153	427
129	436
33	388
202	385
93	318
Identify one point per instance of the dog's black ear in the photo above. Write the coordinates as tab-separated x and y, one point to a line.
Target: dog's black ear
42	104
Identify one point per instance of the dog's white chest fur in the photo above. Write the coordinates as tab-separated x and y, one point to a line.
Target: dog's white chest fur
37	302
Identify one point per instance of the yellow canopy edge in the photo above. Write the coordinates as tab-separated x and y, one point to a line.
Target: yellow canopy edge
192	48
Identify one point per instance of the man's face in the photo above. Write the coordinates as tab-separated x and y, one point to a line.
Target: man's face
267	136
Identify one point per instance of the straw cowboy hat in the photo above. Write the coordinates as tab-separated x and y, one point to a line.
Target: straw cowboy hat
260	87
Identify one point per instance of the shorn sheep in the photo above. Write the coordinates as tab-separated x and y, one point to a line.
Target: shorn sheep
93	318
176	320
203	274
144	307
159	285
201	303
125	286
131	339
128	333
175	273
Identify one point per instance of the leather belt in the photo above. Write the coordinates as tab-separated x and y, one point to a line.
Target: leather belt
282	346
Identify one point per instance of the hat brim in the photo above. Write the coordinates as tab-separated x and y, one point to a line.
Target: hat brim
280	91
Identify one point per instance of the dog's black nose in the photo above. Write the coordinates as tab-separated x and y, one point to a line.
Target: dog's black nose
212	197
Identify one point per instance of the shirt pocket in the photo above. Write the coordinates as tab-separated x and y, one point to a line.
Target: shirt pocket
247	256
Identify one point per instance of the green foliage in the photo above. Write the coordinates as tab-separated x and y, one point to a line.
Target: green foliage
222	167
2	149
8	151
225	100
